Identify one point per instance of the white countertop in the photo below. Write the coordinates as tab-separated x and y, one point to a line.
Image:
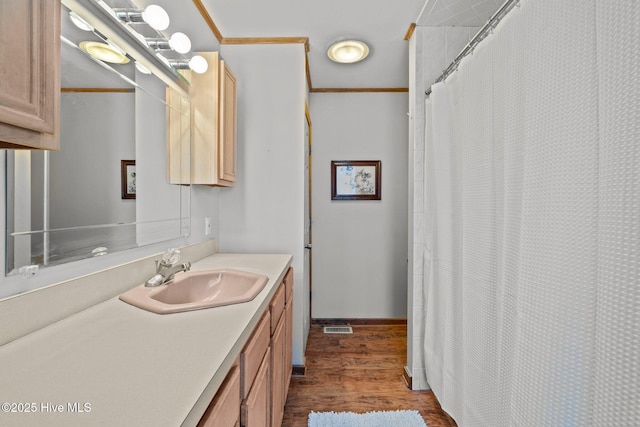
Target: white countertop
131	367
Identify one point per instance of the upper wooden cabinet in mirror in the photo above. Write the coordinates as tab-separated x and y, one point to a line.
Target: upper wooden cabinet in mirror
29	74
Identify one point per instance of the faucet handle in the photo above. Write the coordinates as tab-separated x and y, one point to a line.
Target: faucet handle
171	256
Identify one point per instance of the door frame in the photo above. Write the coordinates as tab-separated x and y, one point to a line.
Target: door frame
307	115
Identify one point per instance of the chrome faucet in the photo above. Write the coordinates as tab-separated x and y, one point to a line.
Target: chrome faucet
167	268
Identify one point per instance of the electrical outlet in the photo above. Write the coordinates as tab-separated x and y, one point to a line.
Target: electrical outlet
207	226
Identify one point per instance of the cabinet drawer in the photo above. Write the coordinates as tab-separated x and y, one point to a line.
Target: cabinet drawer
288	284
253	353
277	308
224	411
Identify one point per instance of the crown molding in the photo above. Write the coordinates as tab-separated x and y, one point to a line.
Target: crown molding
410	31
212	25
360	90
95	89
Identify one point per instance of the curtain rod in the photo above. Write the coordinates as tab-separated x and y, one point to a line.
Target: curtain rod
480	35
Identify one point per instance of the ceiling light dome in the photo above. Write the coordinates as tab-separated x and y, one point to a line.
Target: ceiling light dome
348	51
104	52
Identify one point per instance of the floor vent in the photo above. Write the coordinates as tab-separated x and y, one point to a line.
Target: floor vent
338	330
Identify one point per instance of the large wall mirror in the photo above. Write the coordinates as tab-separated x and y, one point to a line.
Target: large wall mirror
107	189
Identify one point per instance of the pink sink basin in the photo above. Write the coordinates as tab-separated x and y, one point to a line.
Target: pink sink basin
195	290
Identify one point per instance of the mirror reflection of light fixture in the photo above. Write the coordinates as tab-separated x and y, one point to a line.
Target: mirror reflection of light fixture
80	22
142	68
104	52
197	64
348	51
178	41
154	15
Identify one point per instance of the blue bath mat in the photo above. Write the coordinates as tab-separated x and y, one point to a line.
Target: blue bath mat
368	419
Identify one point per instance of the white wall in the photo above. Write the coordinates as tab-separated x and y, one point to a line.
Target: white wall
360	247
264	211
96	147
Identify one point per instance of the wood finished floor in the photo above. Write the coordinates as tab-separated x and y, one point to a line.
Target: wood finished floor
358	373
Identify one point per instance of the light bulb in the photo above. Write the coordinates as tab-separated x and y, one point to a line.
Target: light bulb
180	42
198	64
156	17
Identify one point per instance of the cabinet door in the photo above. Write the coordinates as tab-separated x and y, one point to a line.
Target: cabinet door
224	411
288	352
253	354
30	74
278	374
228	125
178	137
213	124
276	308
255	408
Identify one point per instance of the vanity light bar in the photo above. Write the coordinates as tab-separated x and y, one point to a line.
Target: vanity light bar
105	20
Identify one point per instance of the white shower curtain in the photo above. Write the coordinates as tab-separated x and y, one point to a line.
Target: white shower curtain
532	213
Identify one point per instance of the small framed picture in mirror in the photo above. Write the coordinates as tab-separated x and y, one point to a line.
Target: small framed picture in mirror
355	179
128	178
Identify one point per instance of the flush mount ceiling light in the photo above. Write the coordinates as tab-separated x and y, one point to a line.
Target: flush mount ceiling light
154	15
348	51
104	52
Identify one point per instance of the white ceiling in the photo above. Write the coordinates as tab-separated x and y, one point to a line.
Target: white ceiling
381	23
457	13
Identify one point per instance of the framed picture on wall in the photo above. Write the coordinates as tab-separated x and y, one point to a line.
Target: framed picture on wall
128	178
355	179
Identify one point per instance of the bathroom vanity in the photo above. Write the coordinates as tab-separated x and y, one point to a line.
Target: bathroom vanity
116	364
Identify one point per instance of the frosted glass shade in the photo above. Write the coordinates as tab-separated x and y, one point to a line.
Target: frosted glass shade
198	64
348	51
180	42
156	17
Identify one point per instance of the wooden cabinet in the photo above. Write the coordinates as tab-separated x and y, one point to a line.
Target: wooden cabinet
224	409
288	318
281	309
254	373
255	408
228	125
178	137
213	99
258	393
278	383
30	74
253	353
